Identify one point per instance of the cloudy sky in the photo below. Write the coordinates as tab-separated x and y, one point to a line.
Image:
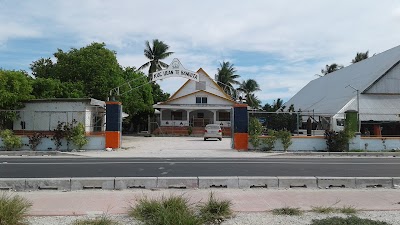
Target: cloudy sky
282	44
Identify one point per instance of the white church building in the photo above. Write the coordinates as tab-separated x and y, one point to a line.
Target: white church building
196	103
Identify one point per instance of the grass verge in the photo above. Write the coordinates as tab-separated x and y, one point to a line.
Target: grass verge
13	209
326	210
289	211
352	220
215	211
104	220
176	210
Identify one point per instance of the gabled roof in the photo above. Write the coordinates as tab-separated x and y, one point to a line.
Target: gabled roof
328	94
213	85
193	93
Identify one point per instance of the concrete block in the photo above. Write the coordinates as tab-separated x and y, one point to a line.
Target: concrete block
36	184
336	182
396	182
374	182
218	182
14	184
83	183
297	182
135	182
258	182
178	182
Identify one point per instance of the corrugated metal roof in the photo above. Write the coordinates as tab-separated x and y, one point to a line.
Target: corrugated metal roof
328	94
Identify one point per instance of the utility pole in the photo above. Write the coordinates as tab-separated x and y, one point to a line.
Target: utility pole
358	106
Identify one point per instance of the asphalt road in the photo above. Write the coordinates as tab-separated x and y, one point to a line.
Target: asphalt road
150	167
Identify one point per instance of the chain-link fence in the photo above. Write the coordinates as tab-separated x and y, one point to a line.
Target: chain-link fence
315	124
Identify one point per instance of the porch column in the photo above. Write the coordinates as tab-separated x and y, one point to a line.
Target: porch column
161	117
187	116
215	115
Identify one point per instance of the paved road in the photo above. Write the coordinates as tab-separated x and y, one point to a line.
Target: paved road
133	167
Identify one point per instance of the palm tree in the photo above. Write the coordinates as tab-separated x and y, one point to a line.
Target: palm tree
360	56
253	101
277	104
331	68
226	78
248	87
155	54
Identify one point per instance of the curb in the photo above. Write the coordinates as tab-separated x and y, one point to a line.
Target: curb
235	182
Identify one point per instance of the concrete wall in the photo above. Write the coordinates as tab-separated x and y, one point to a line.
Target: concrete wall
318	143
300	143
375	143
95	143
44	116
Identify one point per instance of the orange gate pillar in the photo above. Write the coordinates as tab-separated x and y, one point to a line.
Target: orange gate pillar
240	127
113	124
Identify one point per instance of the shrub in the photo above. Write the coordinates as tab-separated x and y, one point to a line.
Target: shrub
97	221
287	211
66	130
174	210
215	211
35	140
336	141
13	209
269	141
10	141
325	210
348	210
190	130
347	221
285	137
255	130
78	136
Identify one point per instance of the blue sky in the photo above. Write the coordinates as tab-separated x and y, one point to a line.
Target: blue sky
281	44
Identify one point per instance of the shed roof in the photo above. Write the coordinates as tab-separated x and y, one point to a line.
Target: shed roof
91	101
328	94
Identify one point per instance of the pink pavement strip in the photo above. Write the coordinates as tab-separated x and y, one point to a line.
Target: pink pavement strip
51	203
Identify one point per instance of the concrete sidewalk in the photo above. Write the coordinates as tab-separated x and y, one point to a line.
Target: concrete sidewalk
89	202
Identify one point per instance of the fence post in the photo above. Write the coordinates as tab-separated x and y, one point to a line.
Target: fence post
241	127
113	124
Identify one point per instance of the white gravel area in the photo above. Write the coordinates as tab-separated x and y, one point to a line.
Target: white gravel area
259	218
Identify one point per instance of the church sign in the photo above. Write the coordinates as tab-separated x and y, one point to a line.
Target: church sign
175	69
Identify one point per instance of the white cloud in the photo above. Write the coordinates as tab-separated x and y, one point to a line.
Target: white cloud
302	36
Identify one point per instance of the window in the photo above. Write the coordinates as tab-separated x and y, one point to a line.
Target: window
201	85
176	115
224	116
201	100
200	115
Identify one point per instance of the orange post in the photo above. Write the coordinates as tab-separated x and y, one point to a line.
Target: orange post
241	141
377	130
113	139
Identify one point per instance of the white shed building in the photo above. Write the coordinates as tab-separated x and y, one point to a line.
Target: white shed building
45	114
376	79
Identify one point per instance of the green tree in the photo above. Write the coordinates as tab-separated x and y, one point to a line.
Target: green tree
137	98
54	88
275	106
360	56
331	68
248	87
226	78
155	54
95	66
43	68
15	87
